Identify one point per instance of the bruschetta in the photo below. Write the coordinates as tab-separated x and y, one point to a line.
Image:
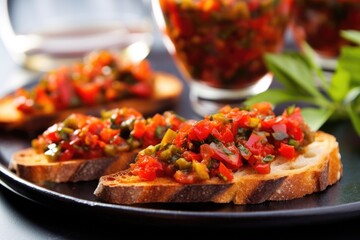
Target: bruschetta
240	156
84	147
102	81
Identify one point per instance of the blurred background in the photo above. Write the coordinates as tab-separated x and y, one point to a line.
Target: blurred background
43	34
38	35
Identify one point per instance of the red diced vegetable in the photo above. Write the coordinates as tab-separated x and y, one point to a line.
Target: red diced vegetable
147	167
287	151
230	156
225	172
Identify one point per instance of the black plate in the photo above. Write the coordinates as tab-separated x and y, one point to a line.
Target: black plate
339	201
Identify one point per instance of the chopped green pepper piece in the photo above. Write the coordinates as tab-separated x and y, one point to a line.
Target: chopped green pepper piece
182	163
169	136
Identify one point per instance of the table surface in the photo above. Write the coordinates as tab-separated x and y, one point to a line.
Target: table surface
22	218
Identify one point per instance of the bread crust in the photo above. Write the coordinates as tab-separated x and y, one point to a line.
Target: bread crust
319	167
35	167
167	91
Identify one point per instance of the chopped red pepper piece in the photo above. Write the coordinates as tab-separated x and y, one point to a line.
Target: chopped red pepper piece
228	155
287	150
225	172
147	168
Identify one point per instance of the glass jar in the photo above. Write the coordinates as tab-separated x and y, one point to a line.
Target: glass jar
219	45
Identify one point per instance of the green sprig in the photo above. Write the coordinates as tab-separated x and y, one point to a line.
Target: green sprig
303	81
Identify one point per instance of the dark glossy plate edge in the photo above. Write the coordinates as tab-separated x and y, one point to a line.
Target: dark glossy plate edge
50	198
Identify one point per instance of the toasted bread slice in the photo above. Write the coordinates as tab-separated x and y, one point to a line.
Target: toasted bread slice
35	167
167	91
319	167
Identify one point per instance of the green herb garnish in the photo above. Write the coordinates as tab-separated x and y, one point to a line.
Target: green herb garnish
303	81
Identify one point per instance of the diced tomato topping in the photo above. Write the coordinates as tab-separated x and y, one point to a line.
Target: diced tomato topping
147	167
182	135
253	141
224	134
201	130
294	130
287	150
95	127
263	108
225	172
231	138
141	89
294	114
215	146
191	156
230	156
66	155
263	168
107	134
184	178
267	123
142	70
279	127
52	134
206	152
83	136
88	93
242	120
25	105
139	129
63	88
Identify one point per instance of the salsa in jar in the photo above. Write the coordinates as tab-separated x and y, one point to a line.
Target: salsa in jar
118	130
221	43
319	23
222	143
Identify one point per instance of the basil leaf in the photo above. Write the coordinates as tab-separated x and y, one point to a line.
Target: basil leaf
333	100
354	117
349	60
281	77
316	117
352	95
312	59
277	96
310	55
292	70
340	84
351	35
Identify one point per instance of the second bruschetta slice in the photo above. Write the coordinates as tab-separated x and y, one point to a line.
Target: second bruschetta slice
84	147
103	80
